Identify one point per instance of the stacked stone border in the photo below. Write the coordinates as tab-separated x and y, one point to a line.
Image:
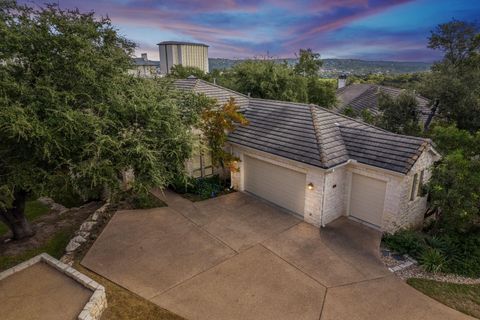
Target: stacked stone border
98	301
83	234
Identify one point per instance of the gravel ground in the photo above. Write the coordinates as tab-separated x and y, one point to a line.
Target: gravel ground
416	271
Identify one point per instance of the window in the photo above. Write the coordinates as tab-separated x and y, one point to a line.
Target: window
414	187
420	184
202	165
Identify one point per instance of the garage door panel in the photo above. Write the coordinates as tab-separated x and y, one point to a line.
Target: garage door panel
282	186
367	199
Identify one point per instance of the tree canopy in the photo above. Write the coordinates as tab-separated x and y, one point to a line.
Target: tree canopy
399	114
71	117
455	80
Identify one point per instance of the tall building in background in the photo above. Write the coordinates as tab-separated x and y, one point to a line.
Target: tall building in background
188	54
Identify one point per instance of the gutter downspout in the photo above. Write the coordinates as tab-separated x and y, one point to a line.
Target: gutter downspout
323	199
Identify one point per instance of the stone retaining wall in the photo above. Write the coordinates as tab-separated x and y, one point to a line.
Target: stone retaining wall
98	301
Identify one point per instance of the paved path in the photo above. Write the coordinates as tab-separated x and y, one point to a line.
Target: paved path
41	293
237	257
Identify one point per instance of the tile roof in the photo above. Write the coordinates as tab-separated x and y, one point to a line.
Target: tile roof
364	96
213	91
322	138
311	134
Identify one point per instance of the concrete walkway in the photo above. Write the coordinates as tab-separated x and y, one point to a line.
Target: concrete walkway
41	293
238	257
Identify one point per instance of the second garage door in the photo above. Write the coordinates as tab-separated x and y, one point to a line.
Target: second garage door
367	199
282	186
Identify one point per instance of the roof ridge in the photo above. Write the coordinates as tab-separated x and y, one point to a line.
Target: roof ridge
318	135
222	87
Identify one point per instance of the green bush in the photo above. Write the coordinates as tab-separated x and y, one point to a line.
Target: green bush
201	188
432	260
406	242
145	201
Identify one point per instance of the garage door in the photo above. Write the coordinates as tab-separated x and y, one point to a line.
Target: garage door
367	199
279	185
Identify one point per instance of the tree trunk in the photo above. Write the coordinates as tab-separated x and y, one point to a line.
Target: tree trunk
15	218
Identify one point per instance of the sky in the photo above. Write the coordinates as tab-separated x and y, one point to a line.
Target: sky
358	29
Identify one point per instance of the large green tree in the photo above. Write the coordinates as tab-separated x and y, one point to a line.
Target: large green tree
455	183
269	79
399	114
71	117
455	80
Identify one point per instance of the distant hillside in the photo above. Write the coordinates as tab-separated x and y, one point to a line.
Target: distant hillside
334	67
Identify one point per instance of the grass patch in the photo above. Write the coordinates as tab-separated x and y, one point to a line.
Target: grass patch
123	304
54	247
462	297
33	210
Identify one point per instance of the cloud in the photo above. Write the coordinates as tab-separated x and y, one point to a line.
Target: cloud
245	28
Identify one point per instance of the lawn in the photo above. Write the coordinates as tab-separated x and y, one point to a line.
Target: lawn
462	297
33	210
123	304
54	247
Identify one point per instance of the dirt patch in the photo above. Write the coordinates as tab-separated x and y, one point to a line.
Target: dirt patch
46	227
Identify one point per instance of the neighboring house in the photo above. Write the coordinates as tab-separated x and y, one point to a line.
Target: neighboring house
365	96
145	68
321	165
188	54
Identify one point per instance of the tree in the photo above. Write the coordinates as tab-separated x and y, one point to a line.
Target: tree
217	122
71	116
309	63
399	114
179	71
455	81
268	79
455	184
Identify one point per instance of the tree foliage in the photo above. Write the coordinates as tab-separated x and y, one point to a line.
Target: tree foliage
399	114
455	183
268	79
455	81
309	63
179	71
71	117
217	122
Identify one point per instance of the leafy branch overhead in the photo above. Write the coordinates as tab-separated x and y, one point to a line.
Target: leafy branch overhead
217	122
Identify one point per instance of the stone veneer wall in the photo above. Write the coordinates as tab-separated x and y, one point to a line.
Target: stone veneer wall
98	301
412	212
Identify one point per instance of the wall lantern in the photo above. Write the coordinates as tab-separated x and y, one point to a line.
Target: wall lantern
310	186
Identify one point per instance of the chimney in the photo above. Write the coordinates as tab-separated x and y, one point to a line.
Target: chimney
144	57
342	81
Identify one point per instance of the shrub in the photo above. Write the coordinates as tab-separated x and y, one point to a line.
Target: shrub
406	242
432	260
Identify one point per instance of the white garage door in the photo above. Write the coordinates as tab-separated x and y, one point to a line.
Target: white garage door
279	185
367	199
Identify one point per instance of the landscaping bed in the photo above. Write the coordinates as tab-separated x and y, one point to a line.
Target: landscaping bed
199	189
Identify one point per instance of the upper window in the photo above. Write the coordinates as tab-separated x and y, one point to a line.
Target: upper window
414	187
420	184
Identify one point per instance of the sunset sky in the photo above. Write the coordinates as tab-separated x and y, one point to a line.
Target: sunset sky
364	29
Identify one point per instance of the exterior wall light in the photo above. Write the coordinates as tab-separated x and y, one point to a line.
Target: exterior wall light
310	186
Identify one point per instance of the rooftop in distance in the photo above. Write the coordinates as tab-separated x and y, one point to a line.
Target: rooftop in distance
182	42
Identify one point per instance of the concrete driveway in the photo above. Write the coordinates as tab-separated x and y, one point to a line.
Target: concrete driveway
237	257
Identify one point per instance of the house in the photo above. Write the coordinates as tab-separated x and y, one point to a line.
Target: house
364	96
145	68
188	54
321	165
